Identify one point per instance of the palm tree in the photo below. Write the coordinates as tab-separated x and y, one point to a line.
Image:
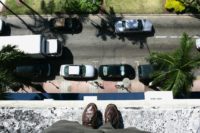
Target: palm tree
9	56
174	69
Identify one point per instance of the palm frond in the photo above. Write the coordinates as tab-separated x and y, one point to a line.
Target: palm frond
177	75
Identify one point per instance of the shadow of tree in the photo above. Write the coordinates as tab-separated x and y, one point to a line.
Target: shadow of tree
41	24
106	29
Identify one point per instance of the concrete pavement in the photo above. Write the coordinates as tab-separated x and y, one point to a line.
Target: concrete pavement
60	85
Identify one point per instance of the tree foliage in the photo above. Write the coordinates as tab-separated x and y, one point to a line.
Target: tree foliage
9	56
174	5
192	5
174	69
80	6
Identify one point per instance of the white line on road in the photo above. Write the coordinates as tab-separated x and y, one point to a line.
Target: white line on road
160	36
174	37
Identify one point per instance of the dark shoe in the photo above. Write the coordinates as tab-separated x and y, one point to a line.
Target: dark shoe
112	115
90	116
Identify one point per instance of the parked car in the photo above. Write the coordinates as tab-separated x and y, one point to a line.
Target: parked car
77	71
117	71
145	72
133	26
198	44
66	25
33	71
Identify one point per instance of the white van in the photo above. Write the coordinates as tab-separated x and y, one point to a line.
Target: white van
36	46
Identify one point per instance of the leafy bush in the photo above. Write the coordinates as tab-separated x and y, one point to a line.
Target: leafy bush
79	6
192	5
174	5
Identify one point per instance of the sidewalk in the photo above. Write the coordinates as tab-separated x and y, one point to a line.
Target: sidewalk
60	85
95	86
1	6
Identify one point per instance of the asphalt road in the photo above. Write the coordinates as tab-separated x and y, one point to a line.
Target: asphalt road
90	47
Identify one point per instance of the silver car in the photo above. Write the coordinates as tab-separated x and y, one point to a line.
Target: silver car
133	25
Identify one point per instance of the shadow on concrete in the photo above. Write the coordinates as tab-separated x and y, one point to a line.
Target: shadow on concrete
6	30
121	121
66	58
27	25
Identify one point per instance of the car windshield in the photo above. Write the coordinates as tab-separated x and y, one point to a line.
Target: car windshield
122	69
83	70
66	70
69	23
105	70
123	23
140	26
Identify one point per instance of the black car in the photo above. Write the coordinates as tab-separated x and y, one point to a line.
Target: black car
117	71
33	72
66	25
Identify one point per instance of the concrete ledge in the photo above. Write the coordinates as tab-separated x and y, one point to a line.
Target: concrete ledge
103	103
176	116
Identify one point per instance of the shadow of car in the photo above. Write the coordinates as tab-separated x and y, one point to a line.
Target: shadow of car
33	72
77	71
116	72
66	25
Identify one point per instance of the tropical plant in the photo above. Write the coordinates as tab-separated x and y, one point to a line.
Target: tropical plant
192	5
9	56
174	5
80	6
174	69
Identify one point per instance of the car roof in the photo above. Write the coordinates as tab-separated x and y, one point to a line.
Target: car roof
74	70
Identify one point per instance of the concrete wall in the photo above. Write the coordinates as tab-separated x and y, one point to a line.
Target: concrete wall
169	116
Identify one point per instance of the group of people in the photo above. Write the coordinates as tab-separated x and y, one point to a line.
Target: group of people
92	122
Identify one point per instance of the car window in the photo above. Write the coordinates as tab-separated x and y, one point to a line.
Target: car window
83	70
122	70
105	70
140	26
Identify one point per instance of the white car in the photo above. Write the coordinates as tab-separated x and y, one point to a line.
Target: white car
77	71
198	43
133	26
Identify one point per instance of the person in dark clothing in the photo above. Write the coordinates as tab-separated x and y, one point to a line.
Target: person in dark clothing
92	122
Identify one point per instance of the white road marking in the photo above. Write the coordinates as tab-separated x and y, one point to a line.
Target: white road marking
160	36
174	37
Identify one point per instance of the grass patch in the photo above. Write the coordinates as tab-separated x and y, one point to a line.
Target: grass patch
53	6
134	6
21	9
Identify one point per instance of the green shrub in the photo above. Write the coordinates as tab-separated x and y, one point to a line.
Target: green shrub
80	6
174	5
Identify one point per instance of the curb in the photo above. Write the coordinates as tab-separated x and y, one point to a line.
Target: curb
118	15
